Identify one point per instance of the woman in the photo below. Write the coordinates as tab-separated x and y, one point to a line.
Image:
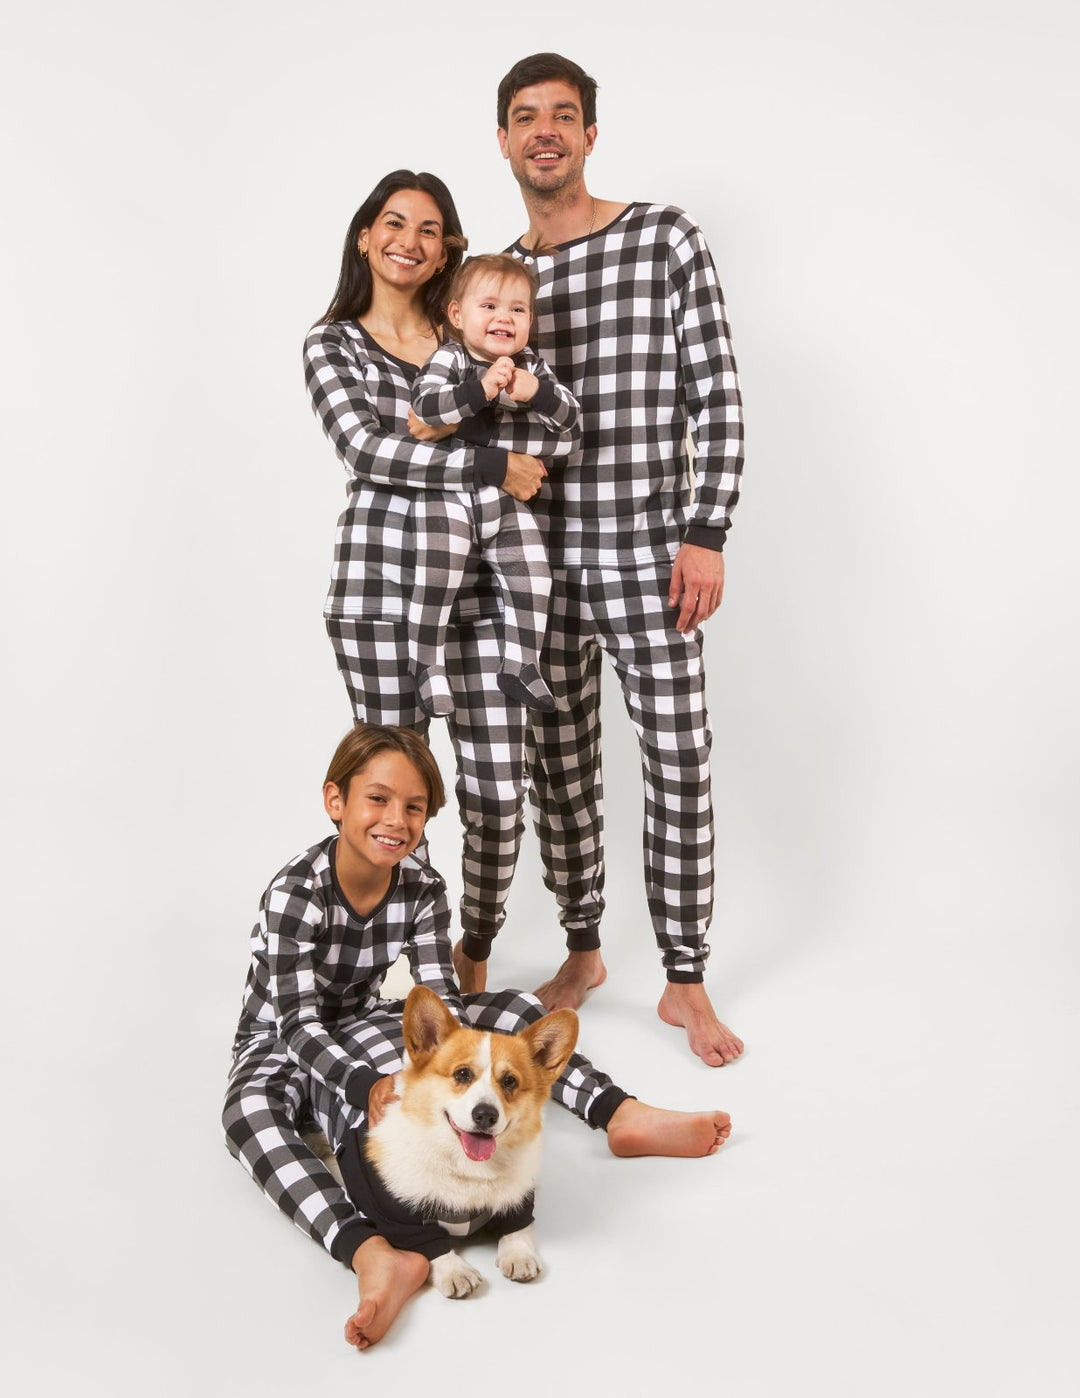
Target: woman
401	251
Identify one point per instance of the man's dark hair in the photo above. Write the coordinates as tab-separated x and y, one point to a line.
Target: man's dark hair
544	68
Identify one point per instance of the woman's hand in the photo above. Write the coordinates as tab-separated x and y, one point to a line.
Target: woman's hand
524	475
379	1098
424	432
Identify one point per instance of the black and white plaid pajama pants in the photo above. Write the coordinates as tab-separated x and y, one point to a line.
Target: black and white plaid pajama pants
626	616
451	532
268	1099
487	732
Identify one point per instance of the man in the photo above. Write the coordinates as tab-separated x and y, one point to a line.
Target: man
631	319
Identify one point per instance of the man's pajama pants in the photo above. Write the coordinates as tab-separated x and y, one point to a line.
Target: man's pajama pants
270	1099
626	616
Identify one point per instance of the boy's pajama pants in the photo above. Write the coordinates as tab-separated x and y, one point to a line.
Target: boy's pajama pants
270	1098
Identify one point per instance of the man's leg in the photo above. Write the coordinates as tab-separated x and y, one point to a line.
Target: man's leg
663	683
563	751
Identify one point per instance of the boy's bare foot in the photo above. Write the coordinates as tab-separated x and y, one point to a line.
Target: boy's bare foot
581	972
638	1129
387	1277
471	975
687	1006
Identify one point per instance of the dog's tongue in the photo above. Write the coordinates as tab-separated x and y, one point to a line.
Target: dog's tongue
478	1147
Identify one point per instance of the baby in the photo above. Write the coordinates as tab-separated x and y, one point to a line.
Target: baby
494	390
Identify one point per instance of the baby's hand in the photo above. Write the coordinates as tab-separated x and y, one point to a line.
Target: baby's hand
379	1098
524	388
498	377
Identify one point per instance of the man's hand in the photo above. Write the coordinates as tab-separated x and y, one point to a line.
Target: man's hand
423	432
498	377
379	1098
697	585
524	475
524	387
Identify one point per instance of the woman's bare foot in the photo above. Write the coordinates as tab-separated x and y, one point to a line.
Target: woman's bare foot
638	1129
471	975
581	972
387	1277
687	1006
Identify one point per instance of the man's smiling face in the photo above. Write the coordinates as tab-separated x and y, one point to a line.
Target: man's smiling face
546	140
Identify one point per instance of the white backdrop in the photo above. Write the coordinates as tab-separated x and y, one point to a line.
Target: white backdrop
890	195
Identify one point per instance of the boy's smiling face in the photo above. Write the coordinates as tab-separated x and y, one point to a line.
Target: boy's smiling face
382	817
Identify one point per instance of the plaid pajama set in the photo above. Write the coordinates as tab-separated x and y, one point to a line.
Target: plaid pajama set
314	1036
632	320
449	530
361	396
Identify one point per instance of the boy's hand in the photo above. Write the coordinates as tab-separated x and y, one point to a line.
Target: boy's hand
424	432
379	1098
498	377
524	388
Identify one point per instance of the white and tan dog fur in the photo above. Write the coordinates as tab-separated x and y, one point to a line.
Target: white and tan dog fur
463	1134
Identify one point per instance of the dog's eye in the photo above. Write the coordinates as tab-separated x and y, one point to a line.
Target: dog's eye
463	1075
508	1082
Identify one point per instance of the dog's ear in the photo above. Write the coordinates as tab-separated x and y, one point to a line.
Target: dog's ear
551	1040
426	1022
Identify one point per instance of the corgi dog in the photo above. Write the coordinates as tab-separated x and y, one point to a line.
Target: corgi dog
459	1147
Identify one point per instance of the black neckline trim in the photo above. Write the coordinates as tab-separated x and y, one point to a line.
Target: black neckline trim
395	875
596	233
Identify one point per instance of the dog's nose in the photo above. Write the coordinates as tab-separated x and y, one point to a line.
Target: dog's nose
484	1116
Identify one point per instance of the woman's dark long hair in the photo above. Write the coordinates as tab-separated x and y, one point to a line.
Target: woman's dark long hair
352	296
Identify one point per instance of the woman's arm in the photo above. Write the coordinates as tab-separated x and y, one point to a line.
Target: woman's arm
355	397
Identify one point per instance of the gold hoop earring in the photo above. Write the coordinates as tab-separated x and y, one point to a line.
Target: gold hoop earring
363	253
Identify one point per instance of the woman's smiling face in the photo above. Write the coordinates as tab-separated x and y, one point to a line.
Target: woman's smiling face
404	244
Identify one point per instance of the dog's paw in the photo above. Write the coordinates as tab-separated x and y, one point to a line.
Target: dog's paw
451	1275
517	1257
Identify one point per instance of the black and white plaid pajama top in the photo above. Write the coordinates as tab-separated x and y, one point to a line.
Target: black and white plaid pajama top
361	396
632	320
449	530
314	1036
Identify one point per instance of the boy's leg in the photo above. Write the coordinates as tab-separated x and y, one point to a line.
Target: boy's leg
512	547
266	1095
633	1128
443	539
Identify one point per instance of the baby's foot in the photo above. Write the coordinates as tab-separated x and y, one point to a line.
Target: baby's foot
523	683
435	694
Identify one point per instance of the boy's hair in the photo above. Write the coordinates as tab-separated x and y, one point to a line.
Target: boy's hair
366	741
499	264
543	68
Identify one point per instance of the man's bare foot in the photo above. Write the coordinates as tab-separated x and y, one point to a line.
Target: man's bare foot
387	1277
687	1006
471	975
638	1129
581	972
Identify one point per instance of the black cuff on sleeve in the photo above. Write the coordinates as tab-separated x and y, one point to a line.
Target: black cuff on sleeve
475	397
360	1082
490	467
349	1237
545	398
706	536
